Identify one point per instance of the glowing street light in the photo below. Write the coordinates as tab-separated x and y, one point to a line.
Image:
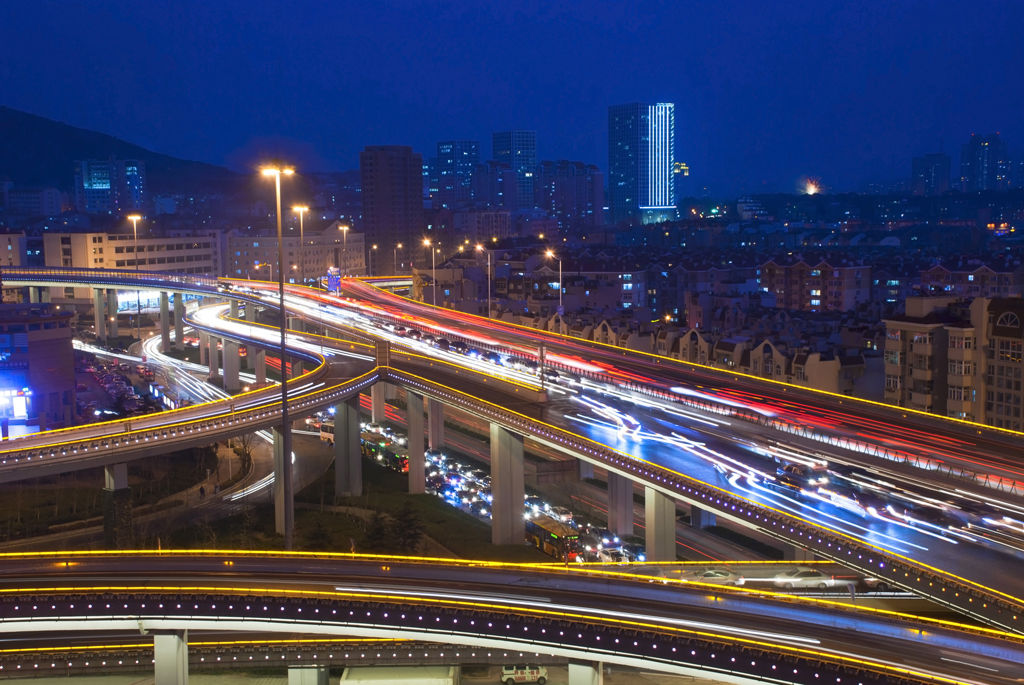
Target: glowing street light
397	248
301	210
344	232
551	254
134	218
433	270
480	248
287	486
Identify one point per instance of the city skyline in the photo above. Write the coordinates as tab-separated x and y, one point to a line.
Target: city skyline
751	116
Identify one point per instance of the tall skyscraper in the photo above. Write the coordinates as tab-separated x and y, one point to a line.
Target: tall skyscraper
641	153
572	192
392	190
984	164
104	186
930	174
518	149
452	172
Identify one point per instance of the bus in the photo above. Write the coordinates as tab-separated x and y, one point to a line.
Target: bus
554	538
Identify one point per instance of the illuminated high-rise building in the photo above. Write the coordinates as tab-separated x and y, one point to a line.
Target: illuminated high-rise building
641	153
518	149
110	186
392	192
984	164
452	172
930	174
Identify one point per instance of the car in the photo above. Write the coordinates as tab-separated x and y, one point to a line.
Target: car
806	577
524	673
613	556
442	344
459	346
560	513
493	357
715	576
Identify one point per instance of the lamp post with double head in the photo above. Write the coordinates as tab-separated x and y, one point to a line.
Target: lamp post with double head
287	486
134	218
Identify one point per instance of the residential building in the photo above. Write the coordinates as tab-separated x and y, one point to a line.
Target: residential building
818	286
110	186
930	174
392	195
970	278
641	156
518	149
572	192
255	256
452	172
495	186
984	164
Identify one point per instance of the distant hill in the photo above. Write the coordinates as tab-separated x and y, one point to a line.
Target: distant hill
35	151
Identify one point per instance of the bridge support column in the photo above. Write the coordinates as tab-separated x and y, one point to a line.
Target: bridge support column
117	507
33	294
507	527
620	504
250	311
261	366
44	295
231	364
99	311
348	458
414	416
233	308
179	322
165	323
660	519
204	348
795	553
586	469
307	675
281	462
214	356
435	427
377	391
170	658
585	673
701	518
112	329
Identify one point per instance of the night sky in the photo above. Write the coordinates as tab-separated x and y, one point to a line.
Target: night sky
766	92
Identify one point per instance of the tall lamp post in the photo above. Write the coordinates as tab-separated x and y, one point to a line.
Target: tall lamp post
480	248
134	218
397	248
269	266
344	232
433	270
370	255
301	210
287	486
551	254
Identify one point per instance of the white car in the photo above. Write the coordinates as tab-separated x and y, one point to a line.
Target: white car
806	577
715	576
524	673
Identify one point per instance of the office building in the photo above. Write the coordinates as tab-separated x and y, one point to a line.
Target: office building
451	177
641	156
495	186
518	149
392	193
984	164
930	174
110	186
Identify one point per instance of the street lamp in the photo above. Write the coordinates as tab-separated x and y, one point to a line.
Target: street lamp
370	258
287	486
301	210
134	218
433	270
480	248
344	232
268	265
397	248
551	254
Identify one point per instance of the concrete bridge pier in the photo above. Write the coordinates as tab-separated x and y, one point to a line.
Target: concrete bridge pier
260	362
99	311
308	675
585	673
231	366
701	518
204	348
112	329
507	526
233	309
348	458
117	507
435	425
33	294
377	394
280	496
660	519
586	469
796	553
170	658
214	355
414	416
165	323
620	504
179	322
250	312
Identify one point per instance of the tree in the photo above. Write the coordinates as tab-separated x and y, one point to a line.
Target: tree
408	529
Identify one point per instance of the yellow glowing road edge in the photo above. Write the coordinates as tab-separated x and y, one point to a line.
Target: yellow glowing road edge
703	634
213	644
713	369
543	568
298	334
732	495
